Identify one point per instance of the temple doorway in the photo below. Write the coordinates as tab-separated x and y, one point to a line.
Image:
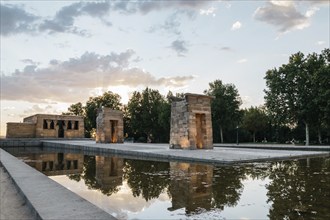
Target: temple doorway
60	129
114	130
200	130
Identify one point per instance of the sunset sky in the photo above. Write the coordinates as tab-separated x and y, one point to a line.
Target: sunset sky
55	53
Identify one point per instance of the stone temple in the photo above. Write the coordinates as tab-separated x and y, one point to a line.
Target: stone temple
191	122
109	126
47	126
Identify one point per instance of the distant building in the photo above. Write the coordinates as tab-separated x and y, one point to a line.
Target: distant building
109	126
191	122
47	126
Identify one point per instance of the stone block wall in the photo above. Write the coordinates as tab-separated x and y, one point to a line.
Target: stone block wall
47	126
20	130
109	126
191	123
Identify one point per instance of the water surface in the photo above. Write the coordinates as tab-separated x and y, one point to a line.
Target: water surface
132	188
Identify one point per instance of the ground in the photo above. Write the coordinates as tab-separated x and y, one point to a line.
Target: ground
12	205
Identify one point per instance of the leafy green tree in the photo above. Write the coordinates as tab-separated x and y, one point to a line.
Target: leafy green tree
255	120
296	91
321	84
225	107
149	115
75	109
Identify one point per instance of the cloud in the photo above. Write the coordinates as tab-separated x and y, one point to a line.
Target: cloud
320	42
318	2
244	60
237	25
15	20
180	47
171	25
147	6
283	15
65	17
209	11
73	80
226	48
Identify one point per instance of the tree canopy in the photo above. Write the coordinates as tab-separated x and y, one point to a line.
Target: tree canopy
225	107
255	120
300	91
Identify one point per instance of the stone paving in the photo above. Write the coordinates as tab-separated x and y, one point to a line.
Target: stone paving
221	155
46	198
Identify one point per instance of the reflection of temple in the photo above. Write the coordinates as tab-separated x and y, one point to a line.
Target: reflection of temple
109	172
191	186
53	164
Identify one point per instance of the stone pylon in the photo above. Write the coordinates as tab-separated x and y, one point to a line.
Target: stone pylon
191	122
109	126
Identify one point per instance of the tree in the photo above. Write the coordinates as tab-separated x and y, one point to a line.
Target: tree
149	115
295	91
75	109
255	120
225	107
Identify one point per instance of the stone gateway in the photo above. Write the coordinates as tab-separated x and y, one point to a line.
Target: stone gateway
191	122
109	126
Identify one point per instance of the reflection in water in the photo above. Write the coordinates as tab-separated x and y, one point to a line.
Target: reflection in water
53	164
227	186
191	186
109	173
296	189
146	178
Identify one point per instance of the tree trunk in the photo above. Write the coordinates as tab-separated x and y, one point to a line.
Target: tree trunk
254	137
221	134
319	134
307	134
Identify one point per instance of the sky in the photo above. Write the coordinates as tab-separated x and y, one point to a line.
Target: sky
56	53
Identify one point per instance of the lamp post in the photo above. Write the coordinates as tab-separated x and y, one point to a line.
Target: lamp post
237	135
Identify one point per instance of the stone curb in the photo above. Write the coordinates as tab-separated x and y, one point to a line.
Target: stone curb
168	157
276	147
46	198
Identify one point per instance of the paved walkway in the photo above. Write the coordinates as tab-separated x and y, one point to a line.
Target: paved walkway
12	204
45	198
221	155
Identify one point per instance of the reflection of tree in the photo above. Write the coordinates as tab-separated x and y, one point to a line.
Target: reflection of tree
146	178
227	185
300	189
76	177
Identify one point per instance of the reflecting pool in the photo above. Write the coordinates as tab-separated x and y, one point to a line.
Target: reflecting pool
132	188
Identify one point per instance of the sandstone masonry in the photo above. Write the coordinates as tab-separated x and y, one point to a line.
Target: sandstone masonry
191	122
47	126
109	126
